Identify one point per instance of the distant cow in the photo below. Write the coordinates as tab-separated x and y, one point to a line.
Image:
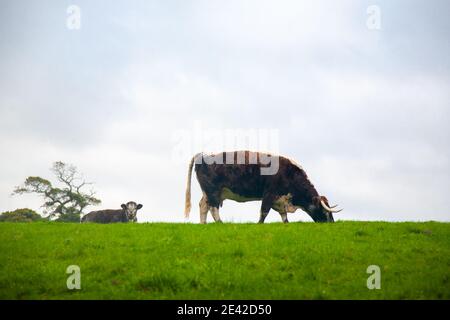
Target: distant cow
126	214
239	176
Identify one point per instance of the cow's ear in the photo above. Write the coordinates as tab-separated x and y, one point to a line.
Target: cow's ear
123	206
139	206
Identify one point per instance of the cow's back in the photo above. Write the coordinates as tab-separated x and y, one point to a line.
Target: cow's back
244	179
105	216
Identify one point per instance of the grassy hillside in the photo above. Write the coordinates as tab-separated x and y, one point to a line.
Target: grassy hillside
228	261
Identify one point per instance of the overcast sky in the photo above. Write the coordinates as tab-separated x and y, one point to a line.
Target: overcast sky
360	98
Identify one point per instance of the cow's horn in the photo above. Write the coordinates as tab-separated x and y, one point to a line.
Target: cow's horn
328	208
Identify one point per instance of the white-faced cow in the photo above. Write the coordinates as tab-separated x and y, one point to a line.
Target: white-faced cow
128	213
243	176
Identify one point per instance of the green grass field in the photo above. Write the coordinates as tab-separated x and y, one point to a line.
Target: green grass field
225	261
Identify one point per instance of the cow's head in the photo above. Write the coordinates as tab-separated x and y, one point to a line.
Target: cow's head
131	209
320	210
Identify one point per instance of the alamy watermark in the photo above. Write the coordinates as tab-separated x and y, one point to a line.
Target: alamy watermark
373	21
74	280
73	21
188	142
374	280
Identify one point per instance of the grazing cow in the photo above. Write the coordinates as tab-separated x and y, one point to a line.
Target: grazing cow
240	178
126	214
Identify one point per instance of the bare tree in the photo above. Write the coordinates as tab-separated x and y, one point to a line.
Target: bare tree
67	200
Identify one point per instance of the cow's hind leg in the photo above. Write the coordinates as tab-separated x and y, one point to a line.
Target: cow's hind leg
215	214
203	204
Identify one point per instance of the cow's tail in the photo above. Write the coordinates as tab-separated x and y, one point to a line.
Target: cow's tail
187	202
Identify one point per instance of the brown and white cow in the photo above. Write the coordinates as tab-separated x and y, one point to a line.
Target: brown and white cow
240	176
128	213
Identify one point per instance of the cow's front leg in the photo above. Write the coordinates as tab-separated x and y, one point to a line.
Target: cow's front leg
215	214
265	208
281	205
262	216
284	217
283	213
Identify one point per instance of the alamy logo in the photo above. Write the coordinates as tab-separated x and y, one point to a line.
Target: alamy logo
74	280
73	21
374	19
189	142
374	280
